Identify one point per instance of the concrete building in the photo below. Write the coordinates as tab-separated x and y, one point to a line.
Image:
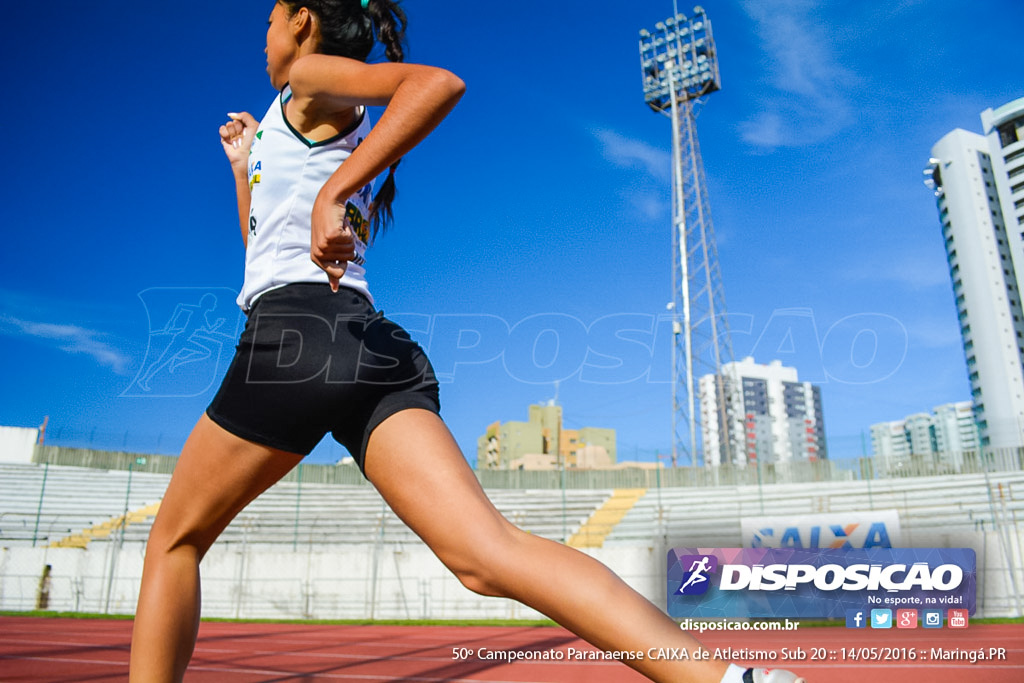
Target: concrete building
17	444
770	416
978	182
942	435
504	442
889	440
920	434
954	427
543	443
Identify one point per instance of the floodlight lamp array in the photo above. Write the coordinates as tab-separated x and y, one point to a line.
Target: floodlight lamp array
678	60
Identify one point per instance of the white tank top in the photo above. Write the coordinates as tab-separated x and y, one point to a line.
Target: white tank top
286	172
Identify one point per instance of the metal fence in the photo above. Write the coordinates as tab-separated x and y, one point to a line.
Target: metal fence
853	469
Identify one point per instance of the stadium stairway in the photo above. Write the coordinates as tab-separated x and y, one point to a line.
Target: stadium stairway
105	529
592	533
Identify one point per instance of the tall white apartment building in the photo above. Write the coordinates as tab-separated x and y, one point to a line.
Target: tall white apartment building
770	415
889	440
979	187
954	428
943	435
920	434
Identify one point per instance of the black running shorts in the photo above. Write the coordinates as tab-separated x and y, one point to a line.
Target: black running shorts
311	361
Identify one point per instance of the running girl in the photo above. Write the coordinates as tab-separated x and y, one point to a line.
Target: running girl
303	176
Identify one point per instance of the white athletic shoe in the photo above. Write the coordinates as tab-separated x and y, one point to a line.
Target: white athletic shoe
771	676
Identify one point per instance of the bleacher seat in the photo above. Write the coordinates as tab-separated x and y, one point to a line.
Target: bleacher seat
290	514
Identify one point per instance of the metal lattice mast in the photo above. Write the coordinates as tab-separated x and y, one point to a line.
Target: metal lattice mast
679	67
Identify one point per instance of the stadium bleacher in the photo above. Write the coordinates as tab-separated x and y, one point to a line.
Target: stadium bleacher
710	517
43	505
77	500
355	557
84	505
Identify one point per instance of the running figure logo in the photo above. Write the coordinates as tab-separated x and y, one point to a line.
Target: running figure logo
190	331
697	578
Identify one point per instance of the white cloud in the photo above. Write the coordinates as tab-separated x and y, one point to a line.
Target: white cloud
808	103
936	334
631	153
650	206
912	273
68	338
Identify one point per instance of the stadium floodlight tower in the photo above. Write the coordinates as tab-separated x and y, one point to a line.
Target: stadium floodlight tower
679	68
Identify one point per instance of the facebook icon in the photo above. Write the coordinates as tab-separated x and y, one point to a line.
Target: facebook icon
855	618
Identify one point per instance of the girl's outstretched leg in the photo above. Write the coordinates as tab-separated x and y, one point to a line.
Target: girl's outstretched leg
217	475
415	464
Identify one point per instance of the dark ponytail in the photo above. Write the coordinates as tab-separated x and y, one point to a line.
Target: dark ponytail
389	21
347	29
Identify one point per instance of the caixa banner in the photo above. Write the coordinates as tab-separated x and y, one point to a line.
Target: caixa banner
817	583
865	529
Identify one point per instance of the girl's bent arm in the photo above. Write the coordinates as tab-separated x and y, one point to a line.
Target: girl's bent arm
417	98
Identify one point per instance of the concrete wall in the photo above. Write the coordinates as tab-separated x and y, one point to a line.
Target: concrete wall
394	581
389	581
17	444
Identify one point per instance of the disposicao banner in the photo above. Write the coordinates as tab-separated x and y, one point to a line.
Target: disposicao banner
817	583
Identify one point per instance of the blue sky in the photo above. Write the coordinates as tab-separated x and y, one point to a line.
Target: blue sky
541	203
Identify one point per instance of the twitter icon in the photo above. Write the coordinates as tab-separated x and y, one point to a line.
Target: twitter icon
881	618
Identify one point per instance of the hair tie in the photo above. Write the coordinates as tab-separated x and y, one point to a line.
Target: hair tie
364	3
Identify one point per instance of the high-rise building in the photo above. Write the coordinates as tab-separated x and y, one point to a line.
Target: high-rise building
771	415
889	440
920	433
942	435
954	428
979	187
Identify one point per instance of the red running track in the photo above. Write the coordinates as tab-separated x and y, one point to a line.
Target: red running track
65	650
